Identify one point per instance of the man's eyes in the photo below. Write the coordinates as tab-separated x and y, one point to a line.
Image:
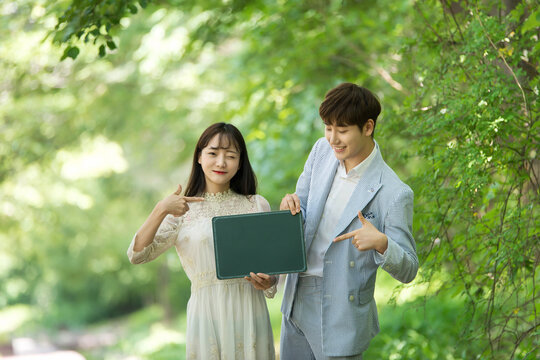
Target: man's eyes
340	131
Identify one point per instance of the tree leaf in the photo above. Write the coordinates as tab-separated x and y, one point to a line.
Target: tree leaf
111	45
102	50
70	51
532	22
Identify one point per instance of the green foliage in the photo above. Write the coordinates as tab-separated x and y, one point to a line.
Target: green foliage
421	330
146	333
69	202
459	86
91	21
476	125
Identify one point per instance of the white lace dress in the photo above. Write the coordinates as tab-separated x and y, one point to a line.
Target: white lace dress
226	319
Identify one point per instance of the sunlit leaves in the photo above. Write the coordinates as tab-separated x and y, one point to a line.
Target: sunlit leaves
473	129
92	21
458	129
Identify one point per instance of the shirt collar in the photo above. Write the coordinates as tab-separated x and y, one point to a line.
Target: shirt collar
358	170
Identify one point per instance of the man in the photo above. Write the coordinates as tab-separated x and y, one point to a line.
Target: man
357	217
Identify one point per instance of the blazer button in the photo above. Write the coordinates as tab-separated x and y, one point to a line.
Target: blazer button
351	297
351	264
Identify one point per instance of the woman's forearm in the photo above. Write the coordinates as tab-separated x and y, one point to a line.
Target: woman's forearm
146	233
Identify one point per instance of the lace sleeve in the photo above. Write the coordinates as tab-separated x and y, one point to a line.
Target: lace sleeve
262	204
163	240
271	291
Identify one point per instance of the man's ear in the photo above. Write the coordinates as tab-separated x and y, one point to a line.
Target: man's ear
369	126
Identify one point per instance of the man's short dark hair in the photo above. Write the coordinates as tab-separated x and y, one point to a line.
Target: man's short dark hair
349	104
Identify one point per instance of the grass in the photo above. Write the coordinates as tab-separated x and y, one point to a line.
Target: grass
411	328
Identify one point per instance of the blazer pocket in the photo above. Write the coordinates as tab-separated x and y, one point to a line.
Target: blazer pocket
364	296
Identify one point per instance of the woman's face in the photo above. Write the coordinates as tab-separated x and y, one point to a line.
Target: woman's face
219	163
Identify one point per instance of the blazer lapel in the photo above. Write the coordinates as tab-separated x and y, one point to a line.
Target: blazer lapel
363	193
323	182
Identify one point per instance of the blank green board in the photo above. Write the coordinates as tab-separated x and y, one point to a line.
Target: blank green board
268	242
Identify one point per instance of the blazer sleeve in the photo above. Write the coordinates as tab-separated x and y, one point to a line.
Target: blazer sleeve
304	181
400	259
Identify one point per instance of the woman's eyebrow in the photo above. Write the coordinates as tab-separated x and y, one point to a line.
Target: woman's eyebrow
224	148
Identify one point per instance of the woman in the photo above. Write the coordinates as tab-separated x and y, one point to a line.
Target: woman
226	319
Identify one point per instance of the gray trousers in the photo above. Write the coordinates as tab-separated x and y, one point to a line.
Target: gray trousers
301	335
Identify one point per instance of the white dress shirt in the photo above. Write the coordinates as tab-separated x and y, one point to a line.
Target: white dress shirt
340	192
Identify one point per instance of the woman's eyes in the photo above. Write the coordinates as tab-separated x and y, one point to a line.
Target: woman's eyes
213	153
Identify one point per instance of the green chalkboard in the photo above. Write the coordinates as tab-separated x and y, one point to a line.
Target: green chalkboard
267	242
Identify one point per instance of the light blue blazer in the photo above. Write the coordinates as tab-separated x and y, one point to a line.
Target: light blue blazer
349	312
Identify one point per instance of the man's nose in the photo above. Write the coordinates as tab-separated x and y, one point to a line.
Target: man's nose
333	138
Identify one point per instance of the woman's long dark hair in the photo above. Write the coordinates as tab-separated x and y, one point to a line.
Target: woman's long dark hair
244	182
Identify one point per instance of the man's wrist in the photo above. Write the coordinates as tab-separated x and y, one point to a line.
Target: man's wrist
383	244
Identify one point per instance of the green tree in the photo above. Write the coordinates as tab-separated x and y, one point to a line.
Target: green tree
459	86
474	119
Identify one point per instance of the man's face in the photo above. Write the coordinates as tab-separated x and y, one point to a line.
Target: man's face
350	144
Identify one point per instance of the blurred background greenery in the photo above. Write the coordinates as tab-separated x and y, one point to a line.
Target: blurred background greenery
90	143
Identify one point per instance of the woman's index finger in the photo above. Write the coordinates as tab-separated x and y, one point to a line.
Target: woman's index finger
193	198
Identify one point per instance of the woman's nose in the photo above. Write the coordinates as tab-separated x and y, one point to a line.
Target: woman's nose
220	161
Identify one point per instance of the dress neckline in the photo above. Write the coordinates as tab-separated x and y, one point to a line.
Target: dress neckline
219	196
